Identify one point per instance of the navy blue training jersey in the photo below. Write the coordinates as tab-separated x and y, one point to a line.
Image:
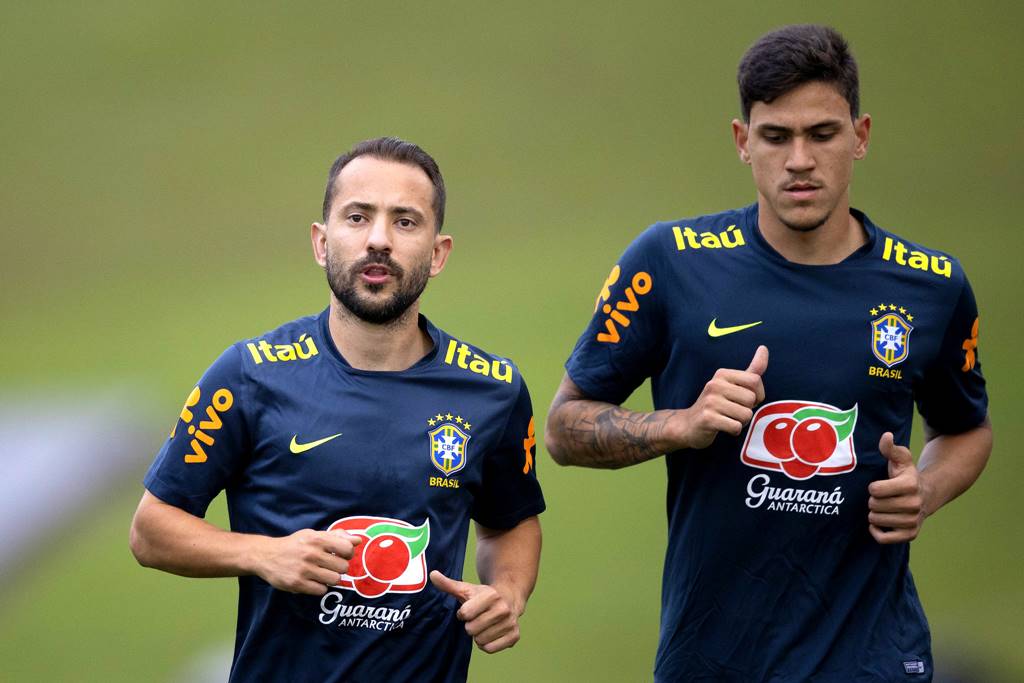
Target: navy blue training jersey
300	439
770	572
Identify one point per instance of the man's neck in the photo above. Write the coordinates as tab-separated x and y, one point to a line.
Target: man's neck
394	346
830	243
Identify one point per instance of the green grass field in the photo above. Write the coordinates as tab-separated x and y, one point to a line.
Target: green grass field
162	162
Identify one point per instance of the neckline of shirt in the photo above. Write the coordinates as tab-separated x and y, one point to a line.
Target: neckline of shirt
854	258
423	363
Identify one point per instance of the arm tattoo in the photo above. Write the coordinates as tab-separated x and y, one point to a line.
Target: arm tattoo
595	434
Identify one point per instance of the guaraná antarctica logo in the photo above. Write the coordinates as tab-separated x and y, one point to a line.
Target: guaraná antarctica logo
801	439
390	559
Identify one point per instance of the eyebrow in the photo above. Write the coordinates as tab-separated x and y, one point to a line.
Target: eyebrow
394	210
776	128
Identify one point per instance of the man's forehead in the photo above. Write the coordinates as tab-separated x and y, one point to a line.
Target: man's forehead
373	180
807	105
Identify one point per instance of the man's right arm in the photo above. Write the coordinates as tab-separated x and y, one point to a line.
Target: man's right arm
168	538
589	433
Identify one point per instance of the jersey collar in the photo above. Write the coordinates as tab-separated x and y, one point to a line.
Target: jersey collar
865	250
332	351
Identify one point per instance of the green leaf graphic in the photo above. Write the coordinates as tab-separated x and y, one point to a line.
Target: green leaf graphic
843	421
416	537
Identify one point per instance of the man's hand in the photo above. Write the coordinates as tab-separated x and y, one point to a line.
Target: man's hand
896	505
308	561
727	402
490	618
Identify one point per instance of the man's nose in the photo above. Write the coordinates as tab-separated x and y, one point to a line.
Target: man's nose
379	236
800	158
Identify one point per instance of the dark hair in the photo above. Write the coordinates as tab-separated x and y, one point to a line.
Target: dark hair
390	149
793	55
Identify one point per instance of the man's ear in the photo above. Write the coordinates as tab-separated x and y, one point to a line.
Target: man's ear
442	248
862	129
740	132
318	236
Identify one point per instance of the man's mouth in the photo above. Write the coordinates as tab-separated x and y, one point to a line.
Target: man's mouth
801	191
376	274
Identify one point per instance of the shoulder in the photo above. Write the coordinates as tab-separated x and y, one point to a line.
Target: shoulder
472	362
917	260
294	341
725	230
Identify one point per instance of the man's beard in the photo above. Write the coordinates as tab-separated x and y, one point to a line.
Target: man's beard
343	279
806	227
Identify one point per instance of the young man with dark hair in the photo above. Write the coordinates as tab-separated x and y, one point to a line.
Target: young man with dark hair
792	496
354	447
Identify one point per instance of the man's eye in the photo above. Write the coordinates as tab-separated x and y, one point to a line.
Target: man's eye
823	137
775	139
356	218
405	223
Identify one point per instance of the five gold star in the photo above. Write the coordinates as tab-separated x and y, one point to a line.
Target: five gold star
874	311
447	417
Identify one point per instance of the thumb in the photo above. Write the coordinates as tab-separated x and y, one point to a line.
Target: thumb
759	363
898	456
351	538
460	590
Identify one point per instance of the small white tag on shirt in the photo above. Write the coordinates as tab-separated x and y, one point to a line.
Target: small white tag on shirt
914	667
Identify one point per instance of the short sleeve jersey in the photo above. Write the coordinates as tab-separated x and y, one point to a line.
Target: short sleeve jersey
770	572
299	439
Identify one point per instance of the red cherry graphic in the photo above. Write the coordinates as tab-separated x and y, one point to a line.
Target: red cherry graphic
370	587
776	437
814	440
386	557
356	569
798	470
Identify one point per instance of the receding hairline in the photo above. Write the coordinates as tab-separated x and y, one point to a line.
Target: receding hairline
336	187
395	149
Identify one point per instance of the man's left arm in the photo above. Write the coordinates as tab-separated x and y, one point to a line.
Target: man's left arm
506	562
948	466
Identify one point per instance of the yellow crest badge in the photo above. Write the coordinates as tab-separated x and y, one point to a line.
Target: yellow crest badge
890	334
448	443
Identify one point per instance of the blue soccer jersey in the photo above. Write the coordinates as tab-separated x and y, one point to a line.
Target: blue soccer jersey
300	439
770	572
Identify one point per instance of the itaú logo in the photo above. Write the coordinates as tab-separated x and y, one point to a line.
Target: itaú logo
801	439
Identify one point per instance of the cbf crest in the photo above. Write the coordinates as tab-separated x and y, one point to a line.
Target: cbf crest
890	333
449	440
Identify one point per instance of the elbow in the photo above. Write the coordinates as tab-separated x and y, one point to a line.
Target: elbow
141	549
555	446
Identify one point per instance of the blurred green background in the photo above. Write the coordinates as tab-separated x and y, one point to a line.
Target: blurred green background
160	164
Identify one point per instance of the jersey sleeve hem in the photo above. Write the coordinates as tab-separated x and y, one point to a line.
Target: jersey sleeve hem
511	519
592	389
952	428
194	505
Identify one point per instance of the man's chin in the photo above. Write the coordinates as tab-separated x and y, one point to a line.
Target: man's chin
373	313
804	221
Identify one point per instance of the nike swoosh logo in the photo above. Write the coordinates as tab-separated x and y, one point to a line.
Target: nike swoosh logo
716	331
296	447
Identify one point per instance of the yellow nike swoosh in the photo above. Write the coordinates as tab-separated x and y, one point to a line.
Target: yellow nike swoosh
715	331
296	447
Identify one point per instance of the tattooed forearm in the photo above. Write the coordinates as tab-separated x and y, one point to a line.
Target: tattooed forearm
591	433
607	436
